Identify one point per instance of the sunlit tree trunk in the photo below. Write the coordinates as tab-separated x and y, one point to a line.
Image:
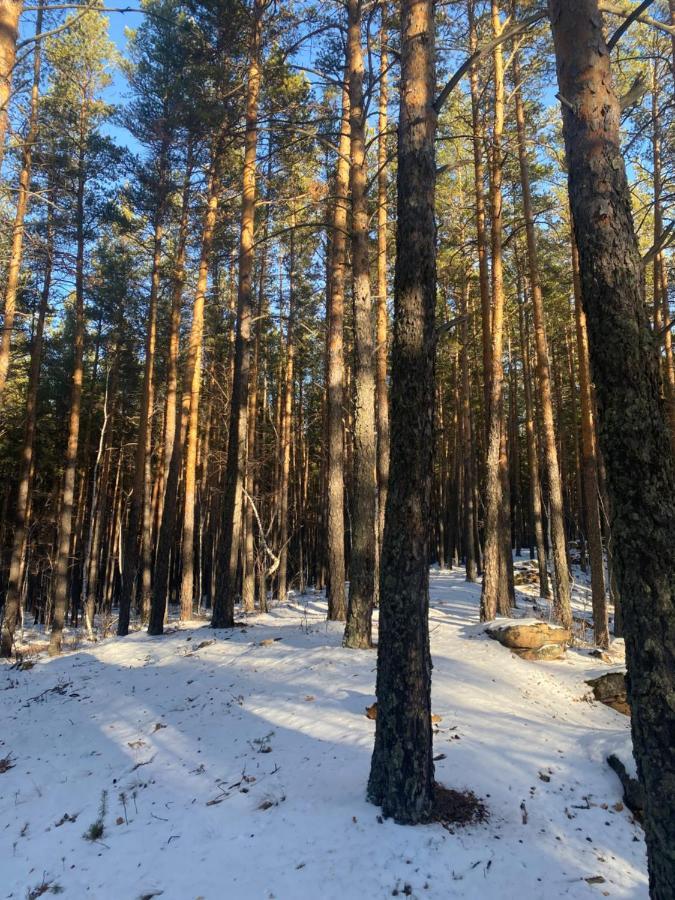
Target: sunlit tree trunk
561	581
16	248
10	12
589	466
223	607
364	507
335	477
495	597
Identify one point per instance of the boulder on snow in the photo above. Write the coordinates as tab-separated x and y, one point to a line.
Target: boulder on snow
610	689
548	651
528	634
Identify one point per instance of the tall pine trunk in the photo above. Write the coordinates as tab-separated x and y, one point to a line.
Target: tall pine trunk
402	769
632	426
223	607
335	373
561	580
364	507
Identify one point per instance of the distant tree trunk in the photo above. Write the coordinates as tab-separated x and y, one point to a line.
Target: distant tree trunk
10	12
167	528
223	607
561	593
633	432
337	608
65	518
286	425
7	7
402	769
496	595
248	586
171	405
16	566
194	368
364	524
140	487
533	460
382	315
589	465
478	136
467	440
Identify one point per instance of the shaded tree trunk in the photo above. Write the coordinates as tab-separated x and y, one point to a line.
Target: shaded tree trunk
632	427
223	607
402	769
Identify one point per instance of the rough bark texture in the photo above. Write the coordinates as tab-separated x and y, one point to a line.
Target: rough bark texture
337	607
226	582
364	504
402	768
382	315
495	595
10	11
633	432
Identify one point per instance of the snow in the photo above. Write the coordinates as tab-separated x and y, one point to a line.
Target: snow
237	769
502	624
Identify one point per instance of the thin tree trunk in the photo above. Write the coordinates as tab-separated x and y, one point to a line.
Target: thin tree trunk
193	385
561	595
495	596
402	768
65	519
10	12
223	607
140	487
337	607
7	8
589	465
286	426
533	460
364	518
16	567
382	315
633	432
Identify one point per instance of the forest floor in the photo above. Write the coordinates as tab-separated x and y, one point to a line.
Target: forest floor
233	764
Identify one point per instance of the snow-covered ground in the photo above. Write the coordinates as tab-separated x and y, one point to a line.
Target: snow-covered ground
236	769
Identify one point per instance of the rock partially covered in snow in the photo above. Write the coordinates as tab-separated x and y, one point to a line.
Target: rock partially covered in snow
530	634
610	689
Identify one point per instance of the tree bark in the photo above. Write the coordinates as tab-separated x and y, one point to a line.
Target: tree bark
633	432
495	596
335	477
223	607
382	315
16	249
402	768
10	12
62	563
16	566
364	511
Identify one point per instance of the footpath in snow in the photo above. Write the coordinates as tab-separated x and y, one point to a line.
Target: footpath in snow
233	764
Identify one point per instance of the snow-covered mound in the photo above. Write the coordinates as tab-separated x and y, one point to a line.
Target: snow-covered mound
234	764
